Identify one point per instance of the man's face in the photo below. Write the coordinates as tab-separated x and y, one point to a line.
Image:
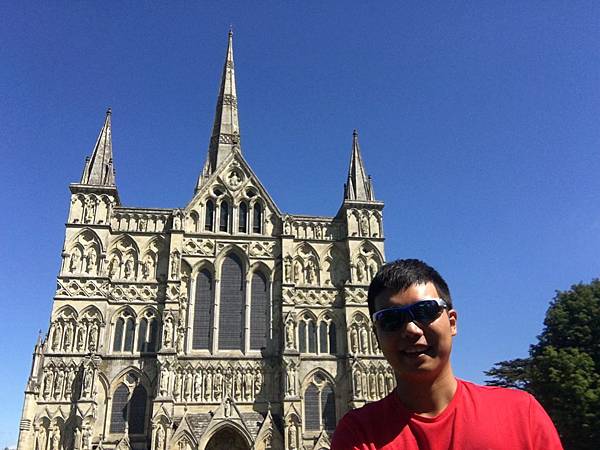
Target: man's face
417	351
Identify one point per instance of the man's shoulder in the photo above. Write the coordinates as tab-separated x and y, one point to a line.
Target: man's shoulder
479	393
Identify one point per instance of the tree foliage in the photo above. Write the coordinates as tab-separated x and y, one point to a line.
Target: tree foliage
563	368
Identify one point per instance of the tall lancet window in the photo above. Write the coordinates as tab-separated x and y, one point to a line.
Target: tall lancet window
243	218
209	215
202	311
224	217
257	219
231	309
259	311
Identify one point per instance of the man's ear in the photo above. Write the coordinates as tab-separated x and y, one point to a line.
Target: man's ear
453	318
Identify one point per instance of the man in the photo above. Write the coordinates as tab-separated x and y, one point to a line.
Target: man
415	323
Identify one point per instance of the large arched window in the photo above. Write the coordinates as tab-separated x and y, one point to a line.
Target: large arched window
130	411
312	414
319	405
257	219
142	332
259	312
224	216
124	336
307	334
231	309
137	410
327	336
209	215
243	218
129	335
118	341
202	311
118	416
147	333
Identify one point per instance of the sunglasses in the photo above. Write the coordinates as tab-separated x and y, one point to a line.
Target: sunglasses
424	312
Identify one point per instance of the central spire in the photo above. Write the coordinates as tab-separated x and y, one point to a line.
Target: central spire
226	129
358	185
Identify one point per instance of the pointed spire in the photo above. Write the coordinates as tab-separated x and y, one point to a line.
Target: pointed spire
358	186
226	129
99	168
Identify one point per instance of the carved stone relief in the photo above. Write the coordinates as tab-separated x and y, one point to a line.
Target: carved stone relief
309	297
199	247
212	382
371	381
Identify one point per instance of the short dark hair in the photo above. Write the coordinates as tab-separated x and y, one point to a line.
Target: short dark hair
397	276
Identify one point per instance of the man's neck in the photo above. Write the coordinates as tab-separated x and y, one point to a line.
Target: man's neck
427	398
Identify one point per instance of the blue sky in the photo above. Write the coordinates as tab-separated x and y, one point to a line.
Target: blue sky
478	122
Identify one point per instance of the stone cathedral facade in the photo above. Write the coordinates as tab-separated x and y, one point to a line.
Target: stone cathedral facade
223	324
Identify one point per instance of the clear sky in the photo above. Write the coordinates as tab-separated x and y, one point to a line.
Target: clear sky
478	121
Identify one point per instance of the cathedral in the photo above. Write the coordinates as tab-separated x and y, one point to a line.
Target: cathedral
224	324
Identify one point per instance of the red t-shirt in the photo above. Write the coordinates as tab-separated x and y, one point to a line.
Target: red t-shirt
477	418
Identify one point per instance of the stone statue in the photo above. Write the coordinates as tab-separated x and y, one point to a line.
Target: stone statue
80	339
357	383
177	386
91	261
67	341
364	340
257	382
55	439
292	441
48	379
207	386
87	382
168	332
164	381
128	268
288	271
75	261
354	340
112	267
180	339
56	332
93	338
290	338
297	272
381	384
389	380
311	272
218	385
197	386
174	265
364	225
160	438
291	380
227	409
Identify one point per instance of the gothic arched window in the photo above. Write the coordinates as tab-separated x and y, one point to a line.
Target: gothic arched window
312	337
118	342
328	408
257	219
243	218
202	310
231	307
129	335
137	410
152	335
327	337
224	217
312	415
209	215
259	312
307	335
142	332
118	416
319	405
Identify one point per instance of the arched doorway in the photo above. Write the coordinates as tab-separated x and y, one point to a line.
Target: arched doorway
227	439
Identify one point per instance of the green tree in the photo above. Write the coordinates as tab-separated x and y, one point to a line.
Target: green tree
563	368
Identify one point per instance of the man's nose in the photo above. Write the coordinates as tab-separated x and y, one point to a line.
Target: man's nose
412	329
